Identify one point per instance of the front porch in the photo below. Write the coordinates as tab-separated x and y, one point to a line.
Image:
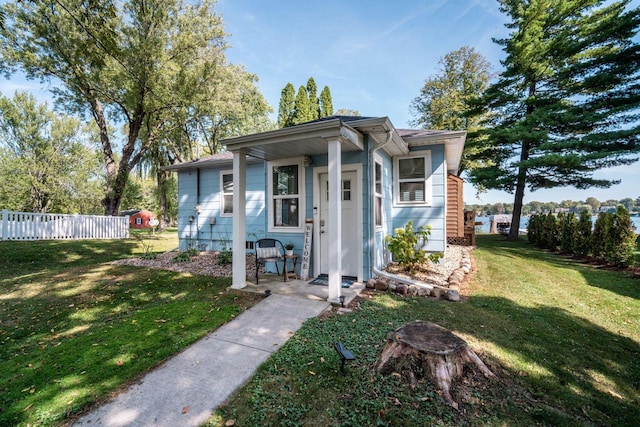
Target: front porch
299	288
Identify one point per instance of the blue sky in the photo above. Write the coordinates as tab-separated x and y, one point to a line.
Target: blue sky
374	55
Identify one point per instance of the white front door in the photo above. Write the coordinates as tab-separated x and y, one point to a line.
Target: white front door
350	223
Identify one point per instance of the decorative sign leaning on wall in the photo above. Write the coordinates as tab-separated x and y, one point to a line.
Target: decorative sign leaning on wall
306	249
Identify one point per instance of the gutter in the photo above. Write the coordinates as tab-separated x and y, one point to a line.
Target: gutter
372	251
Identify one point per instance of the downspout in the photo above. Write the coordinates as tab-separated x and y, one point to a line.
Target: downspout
372	251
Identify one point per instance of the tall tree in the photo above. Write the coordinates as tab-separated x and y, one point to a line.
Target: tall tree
444	100
287	104
314	102
132	65
326	103
46	162
566	104
301	107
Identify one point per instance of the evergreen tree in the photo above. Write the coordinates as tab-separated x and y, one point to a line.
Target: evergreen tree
567	103
549	232
569	225
301	107
287	104
582	235
599	235
314	102
621	239
326	104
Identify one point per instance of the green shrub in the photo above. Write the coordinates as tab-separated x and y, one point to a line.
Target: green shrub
621	239
582	235
534	229
186	255
225	257
406	246
550	239
599	236
568	228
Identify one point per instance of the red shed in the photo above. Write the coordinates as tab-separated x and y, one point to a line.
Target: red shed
140	218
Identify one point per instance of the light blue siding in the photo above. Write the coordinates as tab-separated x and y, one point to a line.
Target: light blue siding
219	236
433	215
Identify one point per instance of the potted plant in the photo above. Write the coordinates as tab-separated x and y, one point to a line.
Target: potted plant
289	248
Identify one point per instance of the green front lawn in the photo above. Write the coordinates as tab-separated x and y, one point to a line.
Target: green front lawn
73	330
564	338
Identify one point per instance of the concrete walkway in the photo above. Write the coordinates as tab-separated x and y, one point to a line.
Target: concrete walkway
186	389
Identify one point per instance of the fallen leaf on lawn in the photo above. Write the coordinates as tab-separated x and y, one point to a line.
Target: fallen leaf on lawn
310	363
322	359
614	394
27	408
230	423
119	363
312	373
185	410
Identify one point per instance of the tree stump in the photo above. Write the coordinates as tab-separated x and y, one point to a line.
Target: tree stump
423	349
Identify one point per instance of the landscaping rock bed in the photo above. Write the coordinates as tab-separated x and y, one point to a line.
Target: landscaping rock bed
441	280
203	264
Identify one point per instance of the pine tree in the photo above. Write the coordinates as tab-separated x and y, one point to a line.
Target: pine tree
326	104
582	235
599	235
621	239
314	102
287	103
567	238
301	107
567	103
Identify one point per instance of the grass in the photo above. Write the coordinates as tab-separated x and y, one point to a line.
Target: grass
564	338
73	329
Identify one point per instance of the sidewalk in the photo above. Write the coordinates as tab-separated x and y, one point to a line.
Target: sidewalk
187	388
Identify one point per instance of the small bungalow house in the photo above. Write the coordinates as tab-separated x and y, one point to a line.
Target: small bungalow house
346	182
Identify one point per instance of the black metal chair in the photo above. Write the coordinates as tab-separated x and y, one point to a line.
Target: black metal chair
269	250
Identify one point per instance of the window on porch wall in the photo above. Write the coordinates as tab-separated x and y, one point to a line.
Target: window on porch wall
285	196
378	193
226	190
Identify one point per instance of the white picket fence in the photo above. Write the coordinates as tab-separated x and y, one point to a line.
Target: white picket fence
39	226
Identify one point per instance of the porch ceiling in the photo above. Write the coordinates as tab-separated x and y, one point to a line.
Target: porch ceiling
302	140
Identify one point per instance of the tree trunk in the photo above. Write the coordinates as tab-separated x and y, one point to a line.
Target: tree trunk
424	349
162	178
521	179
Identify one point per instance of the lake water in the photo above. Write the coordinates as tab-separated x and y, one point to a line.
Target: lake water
486	223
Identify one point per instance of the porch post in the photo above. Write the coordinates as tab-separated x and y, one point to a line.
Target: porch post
239	220
335	220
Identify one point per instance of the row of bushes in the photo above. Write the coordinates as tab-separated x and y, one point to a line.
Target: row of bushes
611	239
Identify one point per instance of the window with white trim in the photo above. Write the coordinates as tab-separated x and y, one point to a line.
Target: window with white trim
226	193
377	194
412	179
286	183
